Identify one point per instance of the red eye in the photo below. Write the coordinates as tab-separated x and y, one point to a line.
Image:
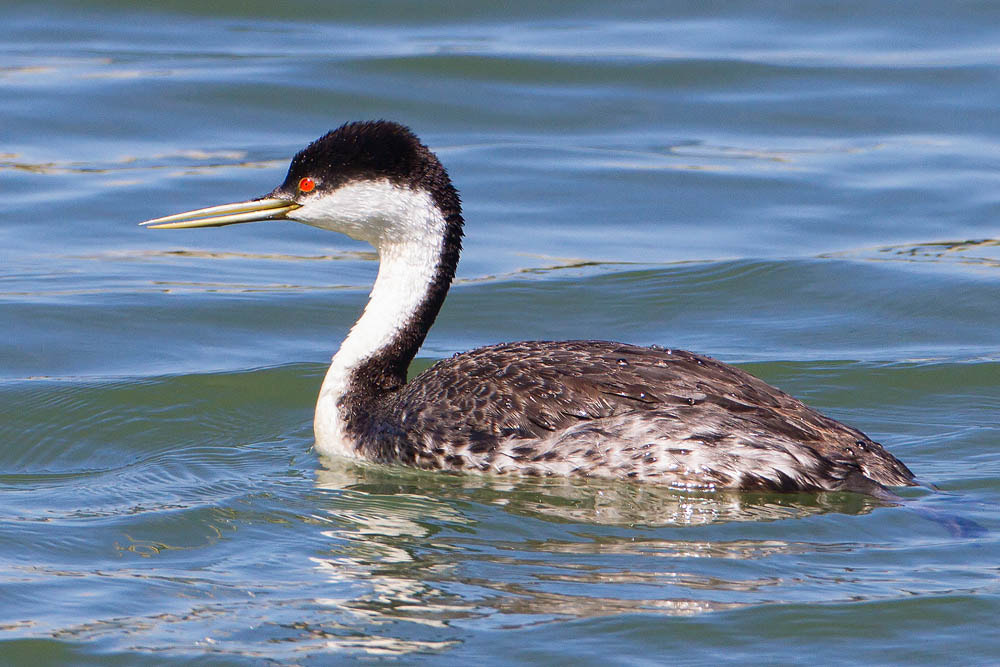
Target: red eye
307	185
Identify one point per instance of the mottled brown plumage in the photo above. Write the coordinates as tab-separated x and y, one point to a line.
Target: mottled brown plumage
608	409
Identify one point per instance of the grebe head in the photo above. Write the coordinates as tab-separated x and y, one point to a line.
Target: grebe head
373	181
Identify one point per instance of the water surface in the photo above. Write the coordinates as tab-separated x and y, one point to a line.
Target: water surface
810	192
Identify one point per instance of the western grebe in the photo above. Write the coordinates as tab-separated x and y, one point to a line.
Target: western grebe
582	407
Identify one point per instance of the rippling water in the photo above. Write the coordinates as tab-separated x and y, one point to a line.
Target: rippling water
810	192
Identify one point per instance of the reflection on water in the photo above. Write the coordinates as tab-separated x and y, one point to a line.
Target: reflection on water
575	500
439	551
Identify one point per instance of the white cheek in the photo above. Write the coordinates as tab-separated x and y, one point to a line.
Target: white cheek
371	211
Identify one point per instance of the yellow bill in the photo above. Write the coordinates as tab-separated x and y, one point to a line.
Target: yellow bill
256	210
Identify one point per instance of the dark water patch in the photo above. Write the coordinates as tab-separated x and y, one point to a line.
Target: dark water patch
801	305
50	421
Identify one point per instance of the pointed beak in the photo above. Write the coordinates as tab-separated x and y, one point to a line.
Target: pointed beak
256	210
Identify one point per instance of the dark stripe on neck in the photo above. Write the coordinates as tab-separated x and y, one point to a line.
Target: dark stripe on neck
385	371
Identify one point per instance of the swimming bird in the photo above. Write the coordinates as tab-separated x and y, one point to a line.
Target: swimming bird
534	408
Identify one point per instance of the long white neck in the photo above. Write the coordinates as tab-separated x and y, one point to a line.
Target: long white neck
408	230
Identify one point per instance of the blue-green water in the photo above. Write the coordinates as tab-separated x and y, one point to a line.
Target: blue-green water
809	191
